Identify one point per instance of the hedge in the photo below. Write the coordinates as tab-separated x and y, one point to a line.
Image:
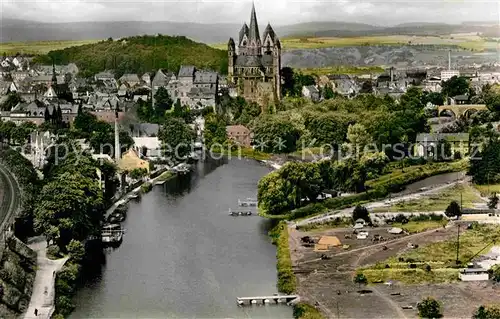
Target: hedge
287	283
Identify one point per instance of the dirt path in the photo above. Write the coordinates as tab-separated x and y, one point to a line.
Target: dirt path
389	301
43	295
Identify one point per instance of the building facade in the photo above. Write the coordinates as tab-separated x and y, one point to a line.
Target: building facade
255	64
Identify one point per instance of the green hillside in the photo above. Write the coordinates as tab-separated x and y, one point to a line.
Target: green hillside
139	54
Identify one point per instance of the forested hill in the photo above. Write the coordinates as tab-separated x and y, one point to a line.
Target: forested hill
139	54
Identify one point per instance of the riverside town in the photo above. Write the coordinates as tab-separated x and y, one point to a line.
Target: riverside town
195	162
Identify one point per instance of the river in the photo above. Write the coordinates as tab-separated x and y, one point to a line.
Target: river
183	256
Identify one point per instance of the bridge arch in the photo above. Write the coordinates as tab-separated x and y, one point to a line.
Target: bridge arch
461	110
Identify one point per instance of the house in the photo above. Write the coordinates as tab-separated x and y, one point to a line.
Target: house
460	99
161	79
426	143
240	134
448	74
131	160
474	274
311	92
131	79
104	76
149	147
144	130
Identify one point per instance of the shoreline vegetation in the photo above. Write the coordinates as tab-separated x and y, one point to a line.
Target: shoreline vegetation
287	282
378	188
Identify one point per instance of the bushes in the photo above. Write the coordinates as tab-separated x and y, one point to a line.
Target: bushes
306	311
287	283
146	188
65	288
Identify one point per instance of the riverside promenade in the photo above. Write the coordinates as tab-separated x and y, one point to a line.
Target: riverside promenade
43	295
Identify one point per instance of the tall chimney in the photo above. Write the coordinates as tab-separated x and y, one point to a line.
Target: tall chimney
449	60
117	138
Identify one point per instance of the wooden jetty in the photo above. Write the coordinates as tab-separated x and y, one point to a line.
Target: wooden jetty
240	213
249	202
276	299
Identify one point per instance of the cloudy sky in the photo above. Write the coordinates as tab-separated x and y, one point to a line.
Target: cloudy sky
279	12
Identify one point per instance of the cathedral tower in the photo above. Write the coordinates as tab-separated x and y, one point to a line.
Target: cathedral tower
255	63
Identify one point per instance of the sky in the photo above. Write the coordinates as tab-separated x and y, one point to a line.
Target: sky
279	12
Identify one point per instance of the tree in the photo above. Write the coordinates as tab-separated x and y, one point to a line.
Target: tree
72	203
495	273
215	131
493	202
76	250
358	137
485	165
453	210
163	102
275	134
455	86
487	312
177	138
360	279
138	173
442	151
434	98
366	87
328	92
6	129
429	308
360	212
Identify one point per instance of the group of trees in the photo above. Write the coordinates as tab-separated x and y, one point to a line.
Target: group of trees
432	308
99	134
367	119
485	164
71	204
15	134
296	184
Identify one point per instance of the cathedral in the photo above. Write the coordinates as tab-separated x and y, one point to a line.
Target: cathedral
255	64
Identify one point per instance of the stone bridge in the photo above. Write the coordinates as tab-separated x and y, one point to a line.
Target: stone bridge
461	110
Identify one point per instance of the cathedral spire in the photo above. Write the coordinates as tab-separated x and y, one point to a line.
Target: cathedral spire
254	26
54	77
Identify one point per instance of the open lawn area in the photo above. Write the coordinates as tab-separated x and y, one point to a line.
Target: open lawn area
440	256
39	47
487	190
437	202
468	42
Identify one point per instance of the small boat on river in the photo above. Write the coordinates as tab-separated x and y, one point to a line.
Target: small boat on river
112	234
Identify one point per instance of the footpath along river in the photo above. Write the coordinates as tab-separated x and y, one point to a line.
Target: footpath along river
183	256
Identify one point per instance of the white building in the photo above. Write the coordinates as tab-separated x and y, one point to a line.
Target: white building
474	274
448	74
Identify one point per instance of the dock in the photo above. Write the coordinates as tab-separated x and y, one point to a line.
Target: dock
276	299
249	202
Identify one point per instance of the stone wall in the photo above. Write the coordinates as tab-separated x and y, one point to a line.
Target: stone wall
17	275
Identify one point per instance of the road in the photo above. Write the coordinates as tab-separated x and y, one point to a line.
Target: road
348	211
10	196
43	295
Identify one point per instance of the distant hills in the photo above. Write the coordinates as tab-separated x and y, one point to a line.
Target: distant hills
13	30
138	55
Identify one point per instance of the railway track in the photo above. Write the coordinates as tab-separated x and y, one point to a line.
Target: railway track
10	196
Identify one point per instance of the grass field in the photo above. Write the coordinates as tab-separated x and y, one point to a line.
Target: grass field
437	202
39	47
440	256
487	190
469	42
414	227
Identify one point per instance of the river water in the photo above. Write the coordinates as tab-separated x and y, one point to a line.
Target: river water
183	256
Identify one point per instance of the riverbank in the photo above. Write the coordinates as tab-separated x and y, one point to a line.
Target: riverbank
287	281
